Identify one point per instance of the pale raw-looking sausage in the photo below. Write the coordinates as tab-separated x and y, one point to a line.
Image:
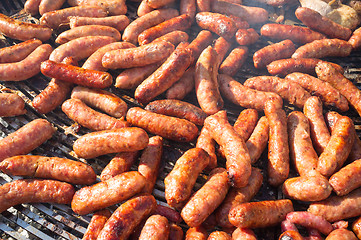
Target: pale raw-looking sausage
113	7
18	52
50	5
11	105
119	22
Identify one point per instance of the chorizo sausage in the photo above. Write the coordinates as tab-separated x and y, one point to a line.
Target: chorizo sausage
122	162
11	105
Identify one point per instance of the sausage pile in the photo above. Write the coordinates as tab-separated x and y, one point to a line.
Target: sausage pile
313	155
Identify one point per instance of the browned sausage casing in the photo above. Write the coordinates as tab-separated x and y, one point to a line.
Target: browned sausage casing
196	233
119	22
61	169
34	191
245	123
96	224
219	235
355	39
174	37
180	181
168	127
122	162
341	234
260	214
324	48
99	143
258	140
217	23
11	104
234	61
26	138
322	24
183	86
238	160
113	7
207	143
171	214
246	36
207	198
196	47
356	228
107	193
126	217
155	228
18	52
243	234
347	178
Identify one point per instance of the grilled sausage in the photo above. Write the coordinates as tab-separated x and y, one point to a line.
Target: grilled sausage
144	8
203	203
122	162
96	224
168	127
23	31
99	143
258	140
347	178
119	22
246	36
207	143
32	7
175	232
196	233
159	3
234	61
101	99
26	138
221	46
127	216
202	40
327	94
50	5
26	68
238	161
341	234
260	214
34	191
107	193
243	234
171	214
219	235
113	7
355	39
217	23
180	181
324	48
174	37
18	52
156	227
356	227
188	7
245	123
11	105
61	169
183	86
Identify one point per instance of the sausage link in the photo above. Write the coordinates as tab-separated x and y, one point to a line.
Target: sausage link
107	193
175	232
126	217
80	48
77	75
34	191
96	224
240	23
149	162
61	169
103	142
171	214
338	148
180	181
18	52
165	76
355	39
237	196
246	122
196	233
327	94
322	24
207	91
203	5
146	21
219	235
207	143
122	162
50	5
234	61
278	148
178	109
137	57
244	96
356	228
253	15
159	3
258	140
174	37
188	7
143	9
336	208
296	34
168	127
131	78
307	188
207	198
26	68
246	36
119	22
217	23
288	90
329	74
221	46
302	153
284	67
238	161
324	48
347	178
273	52
155	228
85	116
180	23
202	40
243	234
101	99
56	18
26	138
11	105
183	86
23	31
341	234
260	214
32	7
113	7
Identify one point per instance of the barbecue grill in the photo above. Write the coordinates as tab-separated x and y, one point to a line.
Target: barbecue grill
53	221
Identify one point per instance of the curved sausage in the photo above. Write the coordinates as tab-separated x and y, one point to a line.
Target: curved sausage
107	193
144	8
122	162
101	99
217	23
103	142
19	30
11	105
26	68
234	61
155	228
221	46
171	214
324	48
327	94
168	127
347	178
127	216
18	52
34	191
26	138
61	169
188	7
180	181
96	224
258	140
119	22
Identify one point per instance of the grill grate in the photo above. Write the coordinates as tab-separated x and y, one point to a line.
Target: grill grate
53	221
